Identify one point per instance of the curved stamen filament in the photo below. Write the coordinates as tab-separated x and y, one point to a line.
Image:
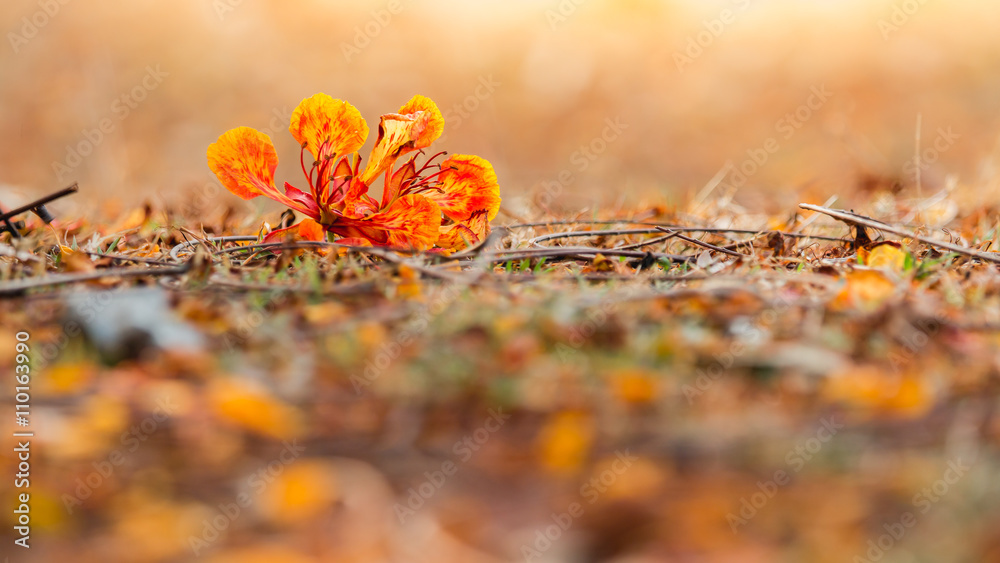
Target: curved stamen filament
430	162
308	175
427	182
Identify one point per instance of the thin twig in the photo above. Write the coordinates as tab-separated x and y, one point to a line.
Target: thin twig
855	219
175	251
578	251
128	258
39	202
18	287
653	230
703	243
648	242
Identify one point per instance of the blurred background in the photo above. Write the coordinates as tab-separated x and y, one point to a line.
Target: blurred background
585	107
528	84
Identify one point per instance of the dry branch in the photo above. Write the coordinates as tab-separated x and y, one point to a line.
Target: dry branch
856	220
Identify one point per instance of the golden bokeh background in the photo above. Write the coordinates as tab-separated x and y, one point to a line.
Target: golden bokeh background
585	107
524	83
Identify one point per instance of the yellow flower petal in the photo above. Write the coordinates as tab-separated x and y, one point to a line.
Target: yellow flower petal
435	121
887	256
322	119
244	160
468	185
460	235
397	134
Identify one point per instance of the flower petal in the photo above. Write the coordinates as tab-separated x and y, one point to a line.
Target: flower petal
397	181
356	202
322	119
279	235
397	134
306	201
244	160
311	230
354	241
306	229
460	235
435	121
413	221
468	185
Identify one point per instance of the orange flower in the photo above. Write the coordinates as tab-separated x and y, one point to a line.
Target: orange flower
447	205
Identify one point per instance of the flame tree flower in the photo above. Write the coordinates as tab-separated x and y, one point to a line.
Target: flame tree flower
446	203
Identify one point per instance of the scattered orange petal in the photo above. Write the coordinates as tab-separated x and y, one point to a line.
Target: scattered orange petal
66	378
565	441
76	260
887	256
865	290
634	385
253	408
302	491
879	389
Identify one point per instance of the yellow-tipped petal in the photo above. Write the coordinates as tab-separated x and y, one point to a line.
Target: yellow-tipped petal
397	134
321	119
244	160
435	121
469	186
468	233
